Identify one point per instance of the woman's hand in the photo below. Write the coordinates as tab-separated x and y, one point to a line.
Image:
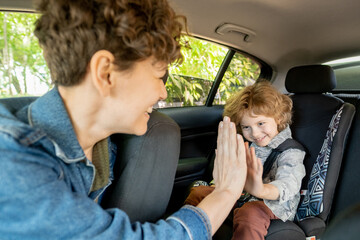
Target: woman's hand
229	174
230	164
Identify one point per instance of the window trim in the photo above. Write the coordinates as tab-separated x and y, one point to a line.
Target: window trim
218	78
266	71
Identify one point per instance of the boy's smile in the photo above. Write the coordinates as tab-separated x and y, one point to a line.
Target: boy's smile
258	128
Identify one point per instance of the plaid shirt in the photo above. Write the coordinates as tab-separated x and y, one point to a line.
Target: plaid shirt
286	174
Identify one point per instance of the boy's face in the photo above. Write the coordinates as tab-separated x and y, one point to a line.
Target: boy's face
258	128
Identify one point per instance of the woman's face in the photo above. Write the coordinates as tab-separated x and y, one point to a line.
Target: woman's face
138	89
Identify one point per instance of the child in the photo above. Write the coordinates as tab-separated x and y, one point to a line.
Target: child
262	115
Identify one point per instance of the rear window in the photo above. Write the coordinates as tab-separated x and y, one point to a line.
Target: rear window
347	72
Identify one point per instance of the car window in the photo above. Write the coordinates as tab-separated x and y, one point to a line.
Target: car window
23	71
241	72
189	84
347	72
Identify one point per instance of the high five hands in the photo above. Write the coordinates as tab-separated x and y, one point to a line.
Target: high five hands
230	162
229	174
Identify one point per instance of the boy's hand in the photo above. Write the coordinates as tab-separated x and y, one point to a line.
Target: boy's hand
254	184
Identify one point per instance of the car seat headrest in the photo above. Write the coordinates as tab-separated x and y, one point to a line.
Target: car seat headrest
310	79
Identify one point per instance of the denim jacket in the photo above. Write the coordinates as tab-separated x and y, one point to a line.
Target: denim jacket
286	174
45	182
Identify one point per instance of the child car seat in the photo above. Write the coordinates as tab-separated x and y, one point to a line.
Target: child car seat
313	111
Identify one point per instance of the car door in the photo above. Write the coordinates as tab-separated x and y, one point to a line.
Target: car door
197	91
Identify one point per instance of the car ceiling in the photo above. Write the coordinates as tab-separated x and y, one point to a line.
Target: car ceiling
286	32
283	33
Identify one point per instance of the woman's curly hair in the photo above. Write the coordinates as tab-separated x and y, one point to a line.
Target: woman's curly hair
260	99
71	31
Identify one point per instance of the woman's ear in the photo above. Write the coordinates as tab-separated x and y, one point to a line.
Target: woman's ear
101	66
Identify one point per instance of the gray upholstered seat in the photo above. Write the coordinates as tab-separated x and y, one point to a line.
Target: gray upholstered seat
145	170
145	166
313	111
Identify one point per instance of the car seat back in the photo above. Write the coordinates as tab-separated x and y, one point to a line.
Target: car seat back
145	167
145	170
346	193
313	111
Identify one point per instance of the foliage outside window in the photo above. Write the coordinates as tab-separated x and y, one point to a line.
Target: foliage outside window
23	70
242	72
189	84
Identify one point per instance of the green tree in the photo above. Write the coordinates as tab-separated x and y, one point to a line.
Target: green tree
242	71
192	80
22	65
21	58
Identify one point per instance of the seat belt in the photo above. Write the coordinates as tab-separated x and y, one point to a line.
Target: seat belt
287	144
269	162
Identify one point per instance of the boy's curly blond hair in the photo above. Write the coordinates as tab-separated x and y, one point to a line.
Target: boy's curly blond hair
260	99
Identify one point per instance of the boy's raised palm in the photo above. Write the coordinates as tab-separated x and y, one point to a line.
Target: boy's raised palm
254	184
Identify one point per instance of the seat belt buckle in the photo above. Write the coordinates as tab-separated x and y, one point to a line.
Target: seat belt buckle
311	238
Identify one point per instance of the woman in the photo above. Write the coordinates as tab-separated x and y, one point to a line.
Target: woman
106	60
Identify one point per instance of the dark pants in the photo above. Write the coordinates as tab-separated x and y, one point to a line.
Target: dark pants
197	194
250	222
